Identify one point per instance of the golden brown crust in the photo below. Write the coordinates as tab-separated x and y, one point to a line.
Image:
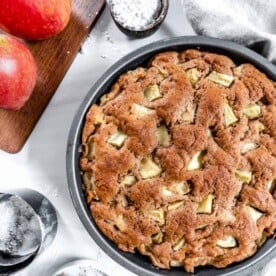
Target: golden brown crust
159	213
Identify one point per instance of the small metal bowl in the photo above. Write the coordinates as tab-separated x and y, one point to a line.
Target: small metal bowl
148	29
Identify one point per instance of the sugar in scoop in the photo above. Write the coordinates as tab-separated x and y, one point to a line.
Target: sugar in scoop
20	230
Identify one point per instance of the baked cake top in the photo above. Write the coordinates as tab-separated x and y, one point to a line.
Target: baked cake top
178	160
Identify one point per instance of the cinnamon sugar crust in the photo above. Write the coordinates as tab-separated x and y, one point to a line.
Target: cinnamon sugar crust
179	160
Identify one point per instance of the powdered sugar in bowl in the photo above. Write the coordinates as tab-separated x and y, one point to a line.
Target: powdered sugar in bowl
138	18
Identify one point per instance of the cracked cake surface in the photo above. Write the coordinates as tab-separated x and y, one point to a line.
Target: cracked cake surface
178	160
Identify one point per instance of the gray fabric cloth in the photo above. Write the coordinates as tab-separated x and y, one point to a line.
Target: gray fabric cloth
248	22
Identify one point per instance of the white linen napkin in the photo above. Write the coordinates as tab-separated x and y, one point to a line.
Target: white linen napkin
249	22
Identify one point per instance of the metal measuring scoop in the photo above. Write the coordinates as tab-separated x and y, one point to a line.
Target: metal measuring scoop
41	213
20	234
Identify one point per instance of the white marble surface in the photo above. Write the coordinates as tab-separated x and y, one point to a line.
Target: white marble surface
41	163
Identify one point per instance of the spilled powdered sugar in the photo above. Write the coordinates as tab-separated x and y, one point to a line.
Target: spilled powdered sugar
20	232
134	14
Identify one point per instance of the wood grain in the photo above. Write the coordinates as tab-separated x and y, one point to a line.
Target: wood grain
54	57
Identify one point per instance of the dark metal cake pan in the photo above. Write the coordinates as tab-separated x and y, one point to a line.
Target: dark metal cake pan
137	263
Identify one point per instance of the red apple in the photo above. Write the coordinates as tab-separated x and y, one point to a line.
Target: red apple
34	19
18	73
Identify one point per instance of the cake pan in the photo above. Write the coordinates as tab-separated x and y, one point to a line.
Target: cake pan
137	263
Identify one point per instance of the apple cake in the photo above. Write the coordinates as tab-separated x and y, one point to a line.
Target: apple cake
178	160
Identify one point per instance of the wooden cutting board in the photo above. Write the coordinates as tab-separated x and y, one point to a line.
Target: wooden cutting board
54	57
